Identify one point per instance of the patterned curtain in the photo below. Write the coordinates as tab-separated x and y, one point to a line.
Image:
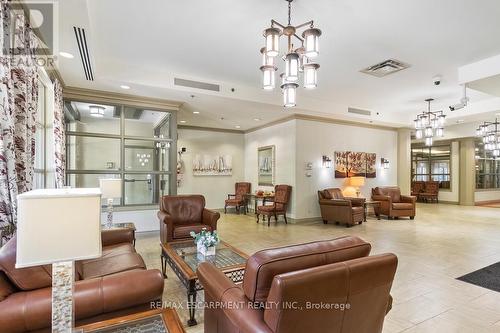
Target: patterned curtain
18	107
59	135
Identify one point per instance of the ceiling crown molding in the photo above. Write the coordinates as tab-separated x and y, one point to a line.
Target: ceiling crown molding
88	95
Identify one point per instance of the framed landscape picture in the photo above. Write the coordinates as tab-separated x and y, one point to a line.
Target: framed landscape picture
341	164
371	161
266	165
212	165
355	164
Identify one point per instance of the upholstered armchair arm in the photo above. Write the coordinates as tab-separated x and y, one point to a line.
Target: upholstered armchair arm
117	236
165	218
409	199
379	197
357	202
30	310
213	280
335	202
210	218
166	226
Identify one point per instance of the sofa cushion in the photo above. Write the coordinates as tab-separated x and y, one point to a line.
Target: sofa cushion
28	278
334	193
182	231
262	266
402	205
184	209
111	265
327	194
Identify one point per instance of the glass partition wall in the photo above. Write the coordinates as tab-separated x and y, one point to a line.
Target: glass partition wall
431	163
487	168
120	141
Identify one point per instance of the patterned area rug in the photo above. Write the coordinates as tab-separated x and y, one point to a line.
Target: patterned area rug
487	277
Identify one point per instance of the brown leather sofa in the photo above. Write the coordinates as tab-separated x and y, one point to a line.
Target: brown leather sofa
116	284
302	288
181	214
339	209
392	203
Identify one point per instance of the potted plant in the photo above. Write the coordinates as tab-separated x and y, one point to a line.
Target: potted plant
205	241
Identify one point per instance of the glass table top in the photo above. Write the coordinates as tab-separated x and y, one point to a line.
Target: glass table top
224	256
153	324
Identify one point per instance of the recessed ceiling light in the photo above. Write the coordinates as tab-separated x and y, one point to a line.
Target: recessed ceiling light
459	121
182	121
237	126
257	119
196	112
124	86
66	55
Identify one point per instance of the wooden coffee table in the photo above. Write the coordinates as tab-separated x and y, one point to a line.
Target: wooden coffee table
152	321
183	258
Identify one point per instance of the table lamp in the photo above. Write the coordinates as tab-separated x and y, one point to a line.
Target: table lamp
357	182
59	226
111	189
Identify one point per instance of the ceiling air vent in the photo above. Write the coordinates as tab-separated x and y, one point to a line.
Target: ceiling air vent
359	111
196	84
385	68
81	39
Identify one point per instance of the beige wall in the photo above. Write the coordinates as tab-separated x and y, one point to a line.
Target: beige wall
214	188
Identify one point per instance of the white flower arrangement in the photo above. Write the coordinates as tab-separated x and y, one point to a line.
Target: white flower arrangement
205	240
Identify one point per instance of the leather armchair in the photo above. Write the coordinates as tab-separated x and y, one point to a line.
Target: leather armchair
339	209
181	214
115	284
283	287
282	195
392	203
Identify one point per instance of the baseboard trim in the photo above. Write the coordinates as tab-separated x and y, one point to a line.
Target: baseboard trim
488	202
449	202
305	220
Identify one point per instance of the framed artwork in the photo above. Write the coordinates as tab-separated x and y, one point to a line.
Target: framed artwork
341	164
355	164
266	165
371	162
210	165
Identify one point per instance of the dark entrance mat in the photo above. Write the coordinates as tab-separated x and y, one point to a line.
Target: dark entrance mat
487	277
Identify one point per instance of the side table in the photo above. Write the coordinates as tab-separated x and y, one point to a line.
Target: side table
376	208
123	225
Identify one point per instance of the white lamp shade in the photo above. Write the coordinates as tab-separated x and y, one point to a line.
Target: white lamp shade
55	225
111	188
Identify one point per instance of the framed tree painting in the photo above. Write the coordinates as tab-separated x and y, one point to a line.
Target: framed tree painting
371	161
341	164
266	165
356	164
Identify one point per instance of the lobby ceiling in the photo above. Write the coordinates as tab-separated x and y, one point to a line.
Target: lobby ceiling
146	44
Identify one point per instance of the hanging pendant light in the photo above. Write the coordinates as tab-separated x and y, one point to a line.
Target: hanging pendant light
428	141
268	77
490	133
272	36
311	37
292	66
289	94
296	59
310	76
429	124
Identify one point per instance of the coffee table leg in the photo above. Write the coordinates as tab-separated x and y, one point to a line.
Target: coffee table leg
191	294
366	211
164	266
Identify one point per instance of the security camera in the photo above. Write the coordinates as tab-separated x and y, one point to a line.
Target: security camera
458	106
437	80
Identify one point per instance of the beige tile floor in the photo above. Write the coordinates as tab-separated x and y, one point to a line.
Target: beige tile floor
442	243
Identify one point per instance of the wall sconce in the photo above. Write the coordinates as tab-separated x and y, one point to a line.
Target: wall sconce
384	163
327	162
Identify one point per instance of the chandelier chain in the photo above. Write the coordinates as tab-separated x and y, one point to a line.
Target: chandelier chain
289	12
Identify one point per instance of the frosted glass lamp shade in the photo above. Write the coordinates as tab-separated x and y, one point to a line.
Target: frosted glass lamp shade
111	188
292	67
289	94
311	37
272	36
57	225
310	76
268	77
